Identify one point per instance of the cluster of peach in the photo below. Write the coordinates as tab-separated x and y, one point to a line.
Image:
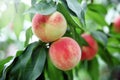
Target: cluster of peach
65	53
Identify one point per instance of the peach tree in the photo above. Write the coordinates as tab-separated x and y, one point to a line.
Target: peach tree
72	41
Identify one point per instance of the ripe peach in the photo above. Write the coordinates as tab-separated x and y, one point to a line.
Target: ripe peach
49	28
116	24
88	52
65	53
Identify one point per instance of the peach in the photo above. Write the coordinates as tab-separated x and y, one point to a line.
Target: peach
89	52
65	53
49	28
116	24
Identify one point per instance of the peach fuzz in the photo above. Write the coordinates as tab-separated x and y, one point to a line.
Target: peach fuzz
65	53
49	28
89	52
116	24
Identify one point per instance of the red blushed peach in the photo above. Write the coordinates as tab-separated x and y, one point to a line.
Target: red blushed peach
49	28
116	24
89	52
65	53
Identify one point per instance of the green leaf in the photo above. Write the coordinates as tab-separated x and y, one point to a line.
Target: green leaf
113	45
64	2
8	63
28	36
70	74
19	53
3	62
83	75
36	66
93	69
77	37
106	56
52	72
101	37
116	61
75	6
98	18
43	7
115	35
99	8
68	17
20	63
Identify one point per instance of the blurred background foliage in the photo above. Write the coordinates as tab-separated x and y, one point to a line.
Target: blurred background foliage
13	26
15	31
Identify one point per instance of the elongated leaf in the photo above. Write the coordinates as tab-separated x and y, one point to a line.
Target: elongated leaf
113	45
41	77
75	6
19	53
64	2
114	35
83	75
35	67
101	37
98	18
43	7
77	37
68	17
7	64
107	57
3	62
20	62
116	61
28	36
70	74
99	8
93	69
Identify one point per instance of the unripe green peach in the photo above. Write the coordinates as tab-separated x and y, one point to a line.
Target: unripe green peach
65	53
49	28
